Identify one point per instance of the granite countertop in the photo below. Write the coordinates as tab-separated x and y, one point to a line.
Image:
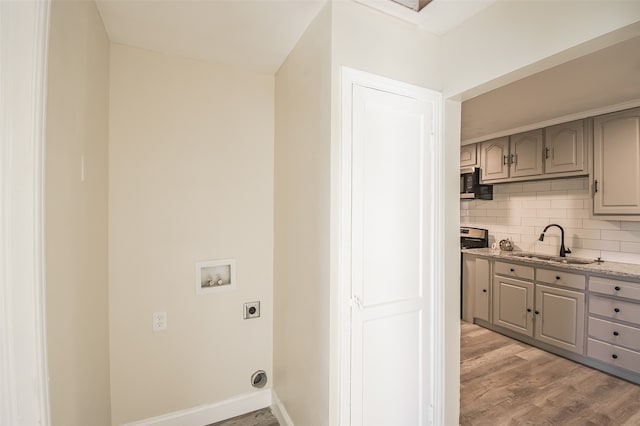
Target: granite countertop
622	270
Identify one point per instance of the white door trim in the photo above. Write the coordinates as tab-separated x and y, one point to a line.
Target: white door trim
349	77
24	33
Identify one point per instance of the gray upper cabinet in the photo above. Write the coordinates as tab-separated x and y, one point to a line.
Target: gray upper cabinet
565	148
526	154
616	163
516	156
494	159
468	155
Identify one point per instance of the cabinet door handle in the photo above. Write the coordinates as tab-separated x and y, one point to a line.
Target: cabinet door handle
617	288
505	160
615	333
614	356
595	186
514	158
546	153
616	310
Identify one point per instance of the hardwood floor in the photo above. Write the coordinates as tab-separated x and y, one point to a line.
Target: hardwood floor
262	417
506	382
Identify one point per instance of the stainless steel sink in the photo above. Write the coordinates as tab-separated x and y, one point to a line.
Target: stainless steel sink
555	259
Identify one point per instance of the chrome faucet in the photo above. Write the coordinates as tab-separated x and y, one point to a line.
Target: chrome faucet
563	251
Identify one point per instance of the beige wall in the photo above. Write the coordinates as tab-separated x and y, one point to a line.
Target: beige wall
76	216
302	207
190	179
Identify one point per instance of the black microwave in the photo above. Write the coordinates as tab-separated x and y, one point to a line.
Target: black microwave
470	186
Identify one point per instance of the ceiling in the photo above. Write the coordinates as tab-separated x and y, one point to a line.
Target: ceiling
254	34
610	76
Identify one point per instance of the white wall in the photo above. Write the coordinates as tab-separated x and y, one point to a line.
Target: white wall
76	216
302	209
368	40
190	179
509	36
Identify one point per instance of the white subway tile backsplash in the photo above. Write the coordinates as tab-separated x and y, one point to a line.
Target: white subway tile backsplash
508	220
613	256
562	213
579	183
520	211
578	213
567	204
498	212
630	226
526	230
600	224
630	247
566	223
601	245
552	195
632	236
536	204
592	234
535	221
536	186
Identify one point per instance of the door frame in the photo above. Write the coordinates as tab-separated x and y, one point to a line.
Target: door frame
24	34
436	293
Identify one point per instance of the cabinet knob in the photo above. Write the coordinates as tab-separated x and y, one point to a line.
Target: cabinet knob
484	290
537	312
512	270
614	356
617	288
615	333
616	310
557	277
528	309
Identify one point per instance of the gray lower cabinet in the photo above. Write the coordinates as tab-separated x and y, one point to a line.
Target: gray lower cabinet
532	301
513	304
614	323
560	317
593	320
482	307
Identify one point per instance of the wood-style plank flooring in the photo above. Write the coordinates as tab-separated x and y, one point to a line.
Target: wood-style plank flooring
262	417
506	382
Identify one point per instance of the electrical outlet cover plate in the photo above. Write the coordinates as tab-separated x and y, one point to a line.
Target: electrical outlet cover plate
159	321
251	310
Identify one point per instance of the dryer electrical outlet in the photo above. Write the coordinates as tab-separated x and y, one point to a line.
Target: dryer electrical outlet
251	310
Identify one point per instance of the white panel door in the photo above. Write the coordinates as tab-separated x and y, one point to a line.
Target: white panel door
390	224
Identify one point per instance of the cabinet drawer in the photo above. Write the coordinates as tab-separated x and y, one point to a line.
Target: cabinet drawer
616	334
514	270
616	309
565	279
615	288
614	355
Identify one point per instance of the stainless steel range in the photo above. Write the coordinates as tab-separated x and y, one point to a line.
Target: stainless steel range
470	238
473	237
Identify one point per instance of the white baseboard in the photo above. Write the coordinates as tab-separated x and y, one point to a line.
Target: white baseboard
279	411
207	414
